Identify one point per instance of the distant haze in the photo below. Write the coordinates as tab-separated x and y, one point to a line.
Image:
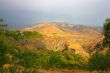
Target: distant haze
27	12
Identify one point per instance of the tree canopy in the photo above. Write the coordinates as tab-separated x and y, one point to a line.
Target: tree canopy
106	33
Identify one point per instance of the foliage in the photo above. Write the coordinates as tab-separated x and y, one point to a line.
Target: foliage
49	59
7	46
2	25
1	19
19	35
13	54
106	33
100	61
72	60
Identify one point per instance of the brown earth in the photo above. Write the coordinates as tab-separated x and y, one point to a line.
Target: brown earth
69	71
55	38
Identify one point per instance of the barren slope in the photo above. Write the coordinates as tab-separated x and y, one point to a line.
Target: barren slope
48	29
56	38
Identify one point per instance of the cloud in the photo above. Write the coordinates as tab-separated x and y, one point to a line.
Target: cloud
80	11
47	4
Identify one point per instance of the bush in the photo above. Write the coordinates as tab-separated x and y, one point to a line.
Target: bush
7	46
55	60
100	61
48	59
72	60
19	35
106	33
41	58
31	35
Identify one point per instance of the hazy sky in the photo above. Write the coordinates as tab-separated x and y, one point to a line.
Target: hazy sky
25	12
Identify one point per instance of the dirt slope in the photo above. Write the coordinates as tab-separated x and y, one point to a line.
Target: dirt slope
48	29
55	38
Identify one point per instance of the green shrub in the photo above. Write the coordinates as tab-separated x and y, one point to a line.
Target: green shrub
55	60
31	35
19	35
48	59
29	60
106	33
7	46
100	61
41	58
72	60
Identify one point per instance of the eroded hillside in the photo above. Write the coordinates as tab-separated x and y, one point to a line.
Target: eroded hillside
47	46
56	38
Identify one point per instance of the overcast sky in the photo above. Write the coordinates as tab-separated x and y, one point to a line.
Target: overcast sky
27	12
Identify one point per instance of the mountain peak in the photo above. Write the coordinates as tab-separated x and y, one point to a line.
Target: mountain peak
49	29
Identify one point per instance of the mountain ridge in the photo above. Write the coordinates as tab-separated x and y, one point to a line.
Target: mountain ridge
54	32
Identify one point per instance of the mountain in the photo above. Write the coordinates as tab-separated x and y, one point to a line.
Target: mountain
80	28
85	35
57	35
48	29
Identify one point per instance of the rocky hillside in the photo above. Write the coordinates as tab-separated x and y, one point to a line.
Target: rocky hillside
50	46
47	29
59	37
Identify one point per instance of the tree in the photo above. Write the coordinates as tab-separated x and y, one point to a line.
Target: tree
1	19
2	25
106	29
